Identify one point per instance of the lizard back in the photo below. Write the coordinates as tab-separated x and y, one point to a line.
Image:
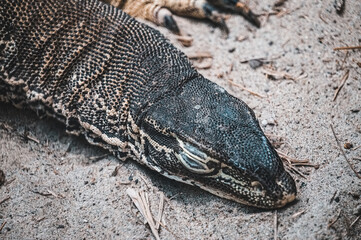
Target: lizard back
86	63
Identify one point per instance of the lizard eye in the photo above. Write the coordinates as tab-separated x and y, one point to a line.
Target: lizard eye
195	160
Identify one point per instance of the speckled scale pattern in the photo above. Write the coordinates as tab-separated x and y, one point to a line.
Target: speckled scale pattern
128	90
86	63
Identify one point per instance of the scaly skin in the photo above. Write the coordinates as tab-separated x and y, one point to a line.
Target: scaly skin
127	89
160	11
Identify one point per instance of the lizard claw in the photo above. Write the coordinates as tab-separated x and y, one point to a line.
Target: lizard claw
244	10
171	24
165	18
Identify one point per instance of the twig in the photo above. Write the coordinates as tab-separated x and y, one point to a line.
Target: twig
320	16
275	226
140	200
297	214
279	74
343	153
125	183
246	89
160	210
2	226
42	194
40	219
253	59
174	196
6	127
333	196
292	160
186	41
357	147
335	220
54	194
356	158
9	182
344	78
207	64
284	44
200	55
29	136
291	168
145	181
344	60
115	172
347	48
315	166
97	158
166	228
4	200
355	221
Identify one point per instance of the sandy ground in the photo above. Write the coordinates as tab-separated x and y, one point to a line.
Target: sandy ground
57	188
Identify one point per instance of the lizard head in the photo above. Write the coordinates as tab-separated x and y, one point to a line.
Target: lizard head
203	136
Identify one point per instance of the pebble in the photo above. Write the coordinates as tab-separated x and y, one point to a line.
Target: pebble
264	123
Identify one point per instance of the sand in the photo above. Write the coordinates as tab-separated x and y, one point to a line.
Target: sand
60	187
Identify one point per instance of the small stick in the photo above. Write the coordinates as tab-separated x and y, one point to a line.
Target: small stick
297	172
124	183
207	64
275	224
200	55
141	201
353	223
344	78
4	200
335	220
347	48
53	193
145	181
343	153
166	228
357	147
253	59
30	137
344	60
40	219
284	44
333	196
174	196
315	166
2	226
9	182
42	194
246	89
115	172
320	16
279	74
356	158
186	41
98	158
160	210
297	214
291	160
